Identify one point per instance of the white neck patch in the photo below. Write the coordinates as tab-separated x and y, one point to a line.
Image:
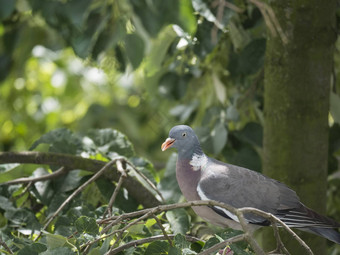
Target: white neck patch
198	161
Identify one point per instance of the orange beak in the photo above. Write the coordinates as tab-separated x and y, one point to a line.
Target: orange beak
167	144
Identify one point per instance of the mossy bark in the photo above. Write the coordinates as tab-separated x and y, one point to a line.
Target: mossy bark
297	87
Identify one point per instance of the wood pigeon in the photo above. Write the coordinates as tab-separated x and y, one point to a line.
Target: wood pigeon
203	178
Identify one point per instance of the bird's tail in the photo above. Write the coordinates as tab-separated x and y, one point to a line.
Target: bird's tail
329	233
308	220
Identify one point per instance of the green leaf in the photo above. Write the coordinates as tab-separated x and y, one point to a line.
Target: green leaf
126	204
232	113
180	242
202	7
187	19
230	233
252	57
244	154
83	42
252	133
59	251
6	8
240	249
159	49
249	60
146	167
174	251
23	217
76	212
157	248
69	182
211	242
173	86
55	241
155	14
42	190
3	221
53	202
134	49
33	249
87	225
64	226
178	220
219	137
6	204
168	185
184	111
109	142
95	251
60	140
335	107
92	195
220	89
14	171
77	12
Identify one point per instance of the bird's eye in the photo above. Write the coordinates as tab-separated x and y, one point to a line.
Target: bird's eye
184	134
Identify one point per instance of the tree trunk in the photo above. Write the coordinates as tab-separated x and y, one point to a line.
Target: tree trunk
297	87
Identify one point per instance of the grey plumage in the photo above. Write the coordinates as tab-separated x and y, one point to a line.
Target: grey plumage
201	177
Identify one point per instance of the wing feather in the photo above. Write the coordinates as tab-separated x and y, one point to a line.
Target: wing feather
240	187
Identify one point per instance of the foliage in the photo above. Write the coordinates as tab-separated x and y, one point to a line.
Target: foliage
24	209
138	66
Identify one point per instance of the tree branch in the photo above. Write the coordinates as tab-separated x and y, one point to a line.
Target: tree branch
274	219
147	181
149	240
2	243
134	187
123	175
77	191
248	235
223	244
61	171
143	214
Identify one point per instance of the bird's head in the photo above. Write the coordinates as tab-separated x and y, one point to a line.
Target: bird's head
183	138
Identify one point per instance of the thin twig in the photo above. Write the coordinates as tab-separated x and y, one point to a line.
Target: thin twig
277	25
270	20
272	218
148	240
223	244
248	234
2	243
121	231
89	243
59	172
219	16
121	217
123	175
77	191
147	180
114	222
148	212
280	246
24	191
221	4
163	230
233	7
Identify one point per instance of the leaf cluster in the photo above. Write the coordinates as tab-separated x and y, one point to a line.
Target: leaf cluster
81	226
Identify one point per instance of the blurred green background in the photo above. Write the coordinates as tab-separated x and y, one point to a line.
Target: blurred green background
137	66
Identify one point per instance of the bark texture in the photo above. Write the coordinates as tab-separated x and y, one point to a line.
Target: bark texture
297	87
